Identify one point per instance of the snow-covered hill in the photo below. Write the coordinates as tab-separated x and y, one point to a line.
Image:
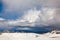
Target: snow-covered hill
29	36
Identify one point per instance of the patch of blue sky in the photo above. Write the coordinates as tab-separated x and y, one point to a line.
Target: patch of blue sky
1	6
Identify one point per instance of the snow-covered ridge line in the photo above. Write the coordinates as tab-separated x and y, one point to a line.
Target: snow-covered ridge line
29	36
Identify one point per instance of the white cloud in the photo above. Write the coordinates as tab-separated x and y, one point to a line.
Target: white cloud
51	3
41	17
35	17
1	19
31	15
15	8
2	22
16	5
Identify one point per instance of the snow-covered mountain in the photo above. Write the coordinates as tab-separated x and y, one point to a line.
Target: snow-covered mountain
29	36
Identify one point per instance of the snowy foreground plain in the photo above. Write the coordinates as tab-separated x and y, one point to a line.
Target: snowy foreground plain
29	36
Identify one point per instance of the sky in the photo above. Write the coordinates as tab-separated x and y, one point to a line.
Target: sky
42	11
13	9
